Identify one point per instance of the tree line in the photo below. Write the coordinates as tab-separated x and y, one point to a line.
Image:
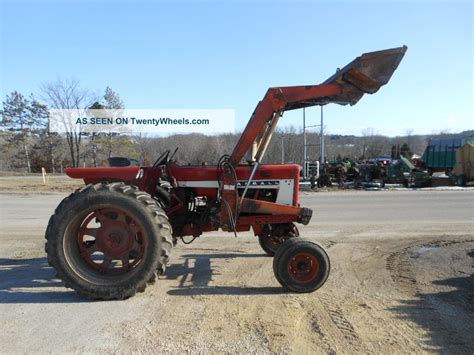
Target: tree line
26	145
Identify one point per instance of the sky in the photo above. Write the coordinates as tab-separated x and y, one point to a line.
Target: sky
225	54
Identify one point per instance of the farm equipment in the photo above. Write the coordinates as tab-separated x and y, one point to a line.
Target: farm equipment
338	171
403	171
113	236
373	171
463	171
440	154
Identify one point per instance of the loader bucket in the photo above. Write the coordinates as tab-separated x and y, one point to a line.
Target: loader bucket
366	74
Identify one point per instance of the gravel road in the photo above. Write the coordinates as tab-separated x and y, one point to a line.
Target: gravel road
401	281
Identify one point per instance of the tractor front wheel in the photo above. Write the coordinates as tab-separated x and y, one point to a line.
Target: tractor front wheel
301	265
275	235
108	240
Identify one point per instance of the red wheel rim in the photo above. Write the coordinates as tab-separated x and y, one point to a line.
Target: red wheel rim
111	241
303	267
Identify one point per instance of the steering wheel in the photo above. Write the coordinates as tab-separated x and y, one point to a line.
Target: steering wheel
162	159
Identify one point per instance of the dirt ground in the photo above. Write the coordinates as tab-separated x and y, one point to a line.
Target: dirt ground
401	281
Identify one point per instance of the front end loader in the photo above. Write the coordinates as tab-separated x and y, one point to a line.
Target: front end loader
113	236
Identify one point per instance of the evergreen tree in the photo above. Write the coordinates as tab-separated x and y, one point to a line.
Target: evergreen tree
22	117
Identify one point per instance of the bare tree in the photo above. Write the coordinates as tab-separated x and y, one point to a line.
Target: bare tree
67	94
143	143
373	144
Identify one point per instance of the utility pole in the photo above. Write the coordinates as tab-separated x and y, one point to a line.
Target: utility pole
322	159
306	145
305	173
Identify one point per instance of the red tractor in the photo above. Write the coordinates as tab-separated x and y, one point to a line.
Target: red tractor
113	236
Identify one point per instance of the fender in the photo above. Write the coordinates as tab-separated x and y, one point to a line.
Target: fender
95	175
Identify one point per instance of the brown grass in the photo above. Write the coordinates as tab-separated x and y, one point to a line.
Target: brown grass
34	182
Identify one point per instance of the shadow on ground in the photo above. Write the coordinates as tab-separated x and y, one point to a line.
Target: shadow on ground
32	281
197	269
447	317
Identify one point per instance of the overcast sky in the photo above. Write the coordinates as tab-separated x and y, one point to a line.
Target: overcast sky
225	54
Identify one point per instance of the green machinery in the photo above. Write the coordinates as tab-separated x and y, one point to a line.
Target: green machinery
440	154
404	172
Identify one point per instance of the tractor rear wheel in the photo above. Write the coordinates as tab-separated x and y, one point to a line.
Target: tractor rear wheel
108	240
275	235
301	265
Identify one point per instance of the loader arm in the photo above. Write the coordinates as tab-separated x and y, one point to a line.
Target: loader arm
364	75
274	103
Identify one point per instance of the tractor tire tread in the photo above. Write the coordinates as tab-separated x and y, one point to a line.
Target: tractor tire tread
154	211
